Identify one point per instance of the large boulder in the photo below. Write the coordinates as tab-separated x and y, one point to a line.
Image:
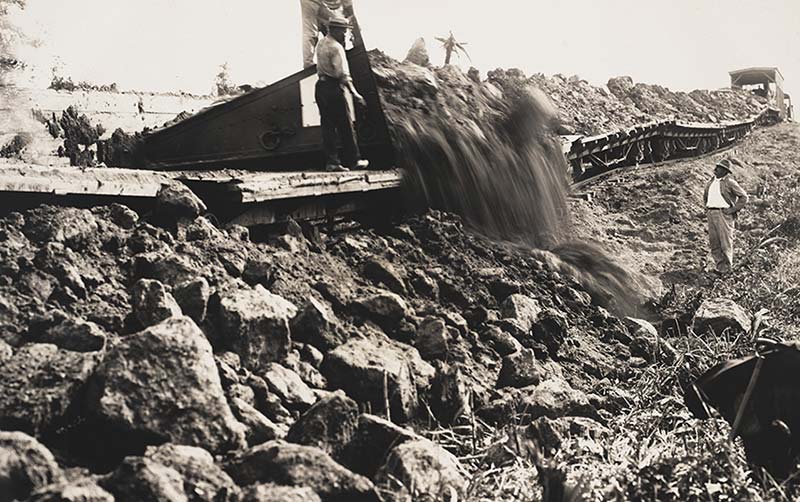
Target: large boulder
25	465
258	428
371	442
174	201
170	268
39	384
420	469
74	227
647	343
137	479
163	382
299	465
328	425
289	387
432	338
66	332
381	272
203	480
551	330
385	308
256	322
152	302
193	296
317	325
501	341
275	493
519	370
553	398
521	308
418	54
359	367
719	314
78	490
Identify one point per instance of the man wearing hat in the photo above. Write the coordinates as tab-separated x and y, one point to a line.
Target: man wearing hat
333	81
723	198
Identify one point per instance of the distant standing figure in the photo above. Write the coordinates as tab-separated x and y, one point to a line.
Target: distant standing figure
723	198
316	15
334	110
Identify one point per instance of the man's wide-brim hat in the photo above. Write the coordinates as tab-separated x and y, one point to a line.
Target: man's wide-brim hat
726	164
338	22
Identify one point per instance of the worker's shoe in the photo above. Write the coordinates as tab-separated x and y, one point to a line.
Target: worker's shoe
362	164
336	168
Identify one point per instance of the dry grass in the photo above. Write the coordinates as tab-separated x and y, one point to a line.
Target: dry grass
655	449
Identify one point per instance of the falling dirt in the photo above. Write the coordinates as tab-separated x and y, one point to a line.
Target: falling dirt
505	175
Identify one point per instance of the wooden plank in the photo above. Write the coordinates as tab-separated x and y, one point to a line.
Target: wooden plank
16	177
252	186
277	186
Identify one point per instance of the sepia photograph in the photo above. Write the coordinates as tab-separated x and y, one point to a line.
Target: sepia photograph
378	251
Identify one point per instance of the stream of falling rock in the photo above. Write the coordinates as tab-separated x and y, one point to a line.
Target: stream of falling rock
509	181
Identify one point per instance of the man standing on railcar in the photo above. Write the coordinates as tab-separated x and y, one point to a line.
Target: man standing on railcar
723	198
333	82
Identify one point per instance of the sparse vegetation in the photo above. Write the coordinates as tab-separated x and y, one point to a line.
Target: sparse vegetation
223	85
452	46
66	84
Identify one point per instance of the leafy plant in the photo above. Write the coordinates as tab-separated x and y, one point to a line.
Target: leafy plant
223	84
451	46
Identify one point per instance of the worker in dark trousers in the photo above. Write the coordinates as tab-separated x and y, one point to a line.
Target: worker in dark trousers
334	110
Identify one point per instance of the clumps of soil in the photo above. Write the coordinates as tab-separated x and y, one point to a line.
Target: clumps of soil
121	150
83	146
79	136
15	148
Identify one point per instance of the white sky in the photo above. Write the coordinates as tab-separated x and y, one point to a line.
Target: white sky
169	45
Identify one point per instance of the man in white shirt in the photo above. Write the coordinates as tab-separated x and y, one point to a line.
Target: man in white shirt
723	198
333	73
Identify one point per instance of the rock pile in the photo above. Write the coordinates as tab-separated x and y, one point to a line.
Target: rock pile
587	109
159	362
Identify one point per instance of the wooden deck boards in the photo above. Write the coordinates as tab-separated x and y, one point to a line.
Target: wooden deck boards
251	187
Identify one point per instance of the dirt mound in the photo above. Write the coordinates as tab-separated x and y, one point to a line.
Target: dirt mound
587	109
697	106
